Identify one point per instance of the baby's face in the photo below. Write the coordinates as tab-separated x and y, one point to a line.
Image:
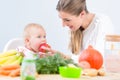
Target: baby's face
38	36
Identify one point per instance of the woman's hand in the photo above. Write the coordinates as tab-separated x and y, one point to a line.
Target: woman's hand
84	64
51	52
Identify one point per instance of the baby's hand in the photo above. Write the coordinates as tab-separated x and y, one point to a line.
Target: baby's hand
41	54
45	48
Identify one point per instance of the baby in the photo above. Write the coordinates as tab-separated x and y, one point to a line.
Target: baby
34	36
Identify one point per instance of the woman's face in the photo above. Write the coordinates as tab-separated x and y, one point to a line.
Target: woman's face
71	21
38	36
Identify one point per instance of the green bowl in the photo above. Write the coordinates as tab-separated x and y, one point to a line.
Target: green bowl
70	72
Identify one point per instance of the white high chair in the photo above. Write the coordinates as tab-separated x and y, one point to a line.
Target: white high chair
13	44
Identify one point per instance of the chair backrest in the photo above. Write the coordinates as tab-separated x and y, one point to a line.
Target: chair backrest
13	44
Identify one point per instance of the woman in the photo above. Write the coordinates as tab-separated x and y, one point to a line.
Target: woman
86	28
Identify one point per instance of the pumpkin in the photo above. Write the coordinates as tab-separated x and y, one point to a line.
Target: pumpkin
92	56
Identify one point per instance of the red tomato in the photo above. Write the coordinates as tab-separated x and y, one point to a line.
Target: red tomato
45	45
93	57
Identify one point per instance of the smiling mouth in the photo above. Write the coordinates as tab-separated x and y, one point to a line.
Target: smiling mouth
70	27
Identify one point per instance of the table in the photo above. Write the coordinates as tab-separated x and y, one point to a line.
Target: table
108	76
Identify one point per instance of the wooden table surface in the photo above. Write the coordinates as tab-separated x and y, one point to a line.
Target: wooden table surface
108	76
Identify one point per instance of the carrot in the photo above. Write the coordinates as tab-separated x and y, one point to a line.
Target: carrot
10	67
5	72
12	70
15	72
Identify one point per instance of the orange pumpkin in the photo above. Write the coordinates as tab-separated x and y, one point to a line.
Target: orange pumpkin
92	56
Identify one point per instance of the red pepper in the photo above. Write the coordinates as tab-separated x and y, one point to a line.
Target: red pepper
44	50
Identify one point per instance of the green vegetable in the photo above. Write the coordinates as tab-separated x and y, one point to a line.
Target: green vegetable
50	64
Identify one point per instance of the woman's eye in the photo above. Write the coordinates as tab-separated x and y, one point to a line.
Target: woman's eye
66	20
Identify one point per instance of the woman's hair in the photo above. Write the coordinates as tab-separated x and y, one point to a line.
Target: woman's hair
73	7
75	41
28	29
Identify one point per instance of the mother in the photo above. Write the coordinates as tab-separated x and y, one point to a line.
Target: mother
86	28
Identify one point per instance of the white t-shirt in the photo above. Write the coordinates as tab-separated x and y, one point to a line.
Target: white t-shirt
94	35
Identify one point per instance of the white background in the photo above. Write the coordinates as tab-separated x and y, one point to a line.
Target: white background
15	14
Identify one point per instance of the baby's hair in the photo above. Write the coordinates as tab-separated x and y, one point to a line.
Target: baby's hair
29	27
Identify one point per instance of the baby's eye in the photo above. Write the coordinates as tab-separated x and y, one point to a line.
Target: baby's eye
38	36
44	36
